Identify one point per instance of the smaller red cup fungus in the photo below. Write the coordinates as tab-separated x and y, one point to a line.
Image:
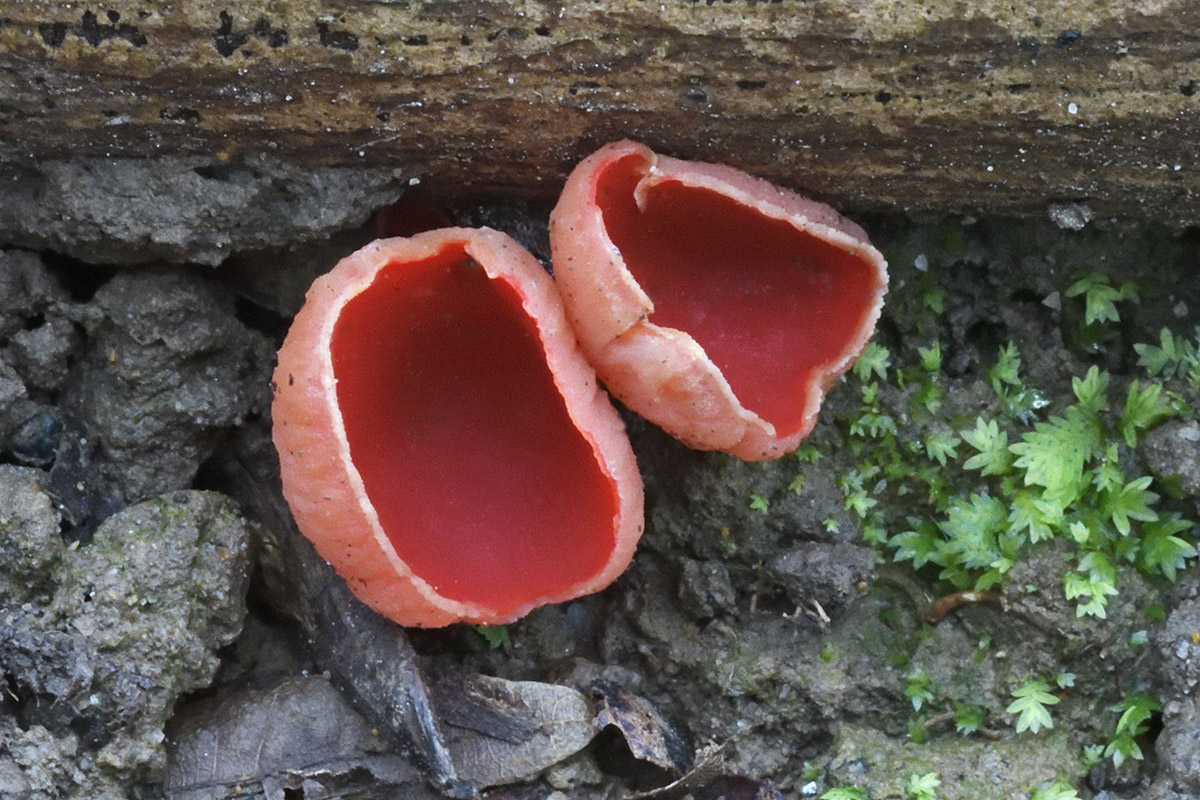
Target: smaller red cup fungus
715	304
442	441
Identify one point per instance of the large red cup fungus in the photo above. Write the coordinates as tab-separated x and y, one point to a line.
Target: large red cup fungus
442	440
715	304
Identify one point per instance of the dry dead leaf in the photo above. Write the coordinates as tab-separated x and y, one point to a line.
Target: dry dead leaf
299	734
501	732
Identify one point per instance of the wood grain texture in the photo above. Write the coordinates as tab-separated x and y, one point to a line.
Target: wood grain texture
878	105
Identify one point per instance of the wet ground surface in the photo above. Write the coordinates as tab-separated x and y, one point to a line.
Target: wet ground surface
979	570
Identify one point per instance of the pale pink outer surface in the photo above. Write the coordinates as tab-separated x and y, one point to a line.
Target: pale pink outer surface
326	493
662	373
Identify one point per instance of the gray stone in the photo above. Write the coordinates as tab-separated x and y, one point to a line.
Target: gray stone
169	366
705	588
186	209
134	623
1178	748
833	575
1174	449
1179	648
30	544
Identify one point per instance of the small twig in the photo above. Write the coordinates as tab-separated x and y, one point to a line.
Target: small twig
952	602
937	720
816	613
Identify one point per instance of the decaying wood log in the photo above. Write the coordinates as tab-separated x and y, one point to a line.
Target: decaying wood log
945	105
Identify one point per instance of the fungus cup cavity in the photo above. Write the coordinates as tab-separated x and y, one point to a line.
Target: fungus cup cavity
715	304
442	441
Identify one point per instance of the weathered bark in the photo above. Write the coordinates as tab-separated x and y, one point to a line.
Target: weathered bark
947	105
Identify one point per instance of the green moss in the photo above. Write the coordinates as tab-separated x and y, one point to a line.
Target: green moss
1012	479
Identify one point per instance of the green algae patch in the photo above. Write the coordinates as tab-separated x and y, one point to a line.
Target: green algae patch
968	769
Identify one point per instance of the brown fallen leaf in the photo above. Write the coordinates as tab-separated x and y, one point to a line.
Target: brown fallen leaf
500	732
708	781
649	736
299	734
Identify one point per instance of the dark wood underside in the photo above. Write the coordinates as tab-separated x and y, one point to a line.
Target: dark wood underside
880	105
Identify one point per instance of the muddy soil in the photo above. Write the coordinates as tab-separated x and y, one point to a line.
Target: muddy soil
870	617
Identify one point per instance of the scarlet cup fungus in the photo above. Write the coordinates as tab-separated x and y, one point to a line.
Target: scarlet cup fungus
443	443
715	304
